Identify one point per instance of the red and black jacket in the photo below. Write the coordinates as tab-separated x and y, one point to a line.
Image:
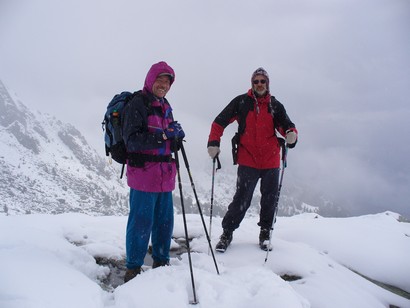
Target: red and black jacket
259	119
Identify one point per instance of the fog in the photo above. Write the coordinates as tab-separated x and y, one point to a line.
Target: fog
341	69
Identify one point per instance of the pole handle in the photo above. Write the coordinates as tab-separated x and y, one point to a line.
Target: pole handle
216	158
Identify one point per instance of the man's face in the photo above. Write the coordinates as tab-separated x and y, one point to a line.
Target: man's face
259	84
161	86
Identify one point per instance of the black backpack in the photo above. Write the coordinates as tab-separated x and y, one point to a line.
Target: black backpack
114	144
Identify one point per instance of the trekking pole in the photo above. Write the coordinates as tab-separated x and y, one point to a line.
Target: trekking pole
284	165
216	158
185	224
199	206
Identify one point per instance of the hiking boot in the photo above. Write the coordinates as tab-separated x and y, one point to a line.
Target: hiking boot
224	241
156	264
264	242
131	273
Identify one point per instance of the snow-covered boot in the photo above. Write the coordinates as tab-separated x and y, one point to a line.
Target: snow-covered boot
131	273
224	241
264	240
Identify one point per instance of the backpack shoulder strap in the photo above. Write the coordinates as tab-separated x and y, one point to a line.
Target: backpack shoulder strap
244	105
272	108
142	98
135	113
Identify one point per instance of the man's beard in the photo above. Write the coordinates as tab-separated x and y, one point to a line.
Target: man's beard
261	93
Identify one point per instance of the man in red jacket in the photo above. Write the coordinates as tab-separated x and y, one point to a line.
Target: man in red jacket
260	117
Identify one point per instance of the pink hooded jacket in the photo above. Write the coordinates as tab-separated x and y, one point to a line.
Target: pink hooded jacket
153	176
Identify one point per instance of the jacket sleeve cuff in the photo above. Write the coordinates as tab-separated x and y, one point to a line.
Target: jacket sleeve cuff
293	129
213	143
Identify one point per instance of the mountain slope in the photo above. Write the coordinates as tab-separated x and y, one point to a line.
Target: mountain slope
48	167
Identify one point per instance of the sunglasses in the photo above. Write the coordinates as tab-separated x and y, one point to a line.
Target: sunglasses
256	81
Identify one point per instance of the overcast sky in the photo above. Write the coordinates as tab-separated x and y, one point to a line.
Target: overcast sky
341	68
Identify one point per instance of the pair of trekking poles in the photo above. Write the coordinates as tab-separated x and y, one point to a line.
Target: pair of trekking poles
179	144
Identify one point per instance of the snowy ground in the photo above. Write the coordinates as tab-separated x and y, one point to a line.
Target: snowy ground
49	261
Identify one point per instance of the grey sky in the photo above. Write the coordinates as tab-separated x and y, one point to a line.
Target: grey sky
341	68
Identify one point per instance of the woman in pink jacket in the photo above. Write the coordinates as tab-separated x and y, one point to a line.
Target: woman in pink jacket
149	132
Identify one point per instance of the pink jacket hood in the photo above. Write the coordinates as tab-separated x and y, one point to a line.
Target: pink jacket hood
156	70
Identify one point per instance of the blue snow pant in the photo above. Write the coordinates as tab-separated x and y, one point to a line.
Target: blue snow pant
150	214
245	185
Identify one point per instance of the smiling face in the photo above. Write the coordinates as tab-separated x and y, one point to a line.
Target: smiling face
161	86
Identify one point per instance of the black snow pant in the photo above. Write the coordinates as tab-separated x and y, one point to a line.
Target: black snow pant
245	185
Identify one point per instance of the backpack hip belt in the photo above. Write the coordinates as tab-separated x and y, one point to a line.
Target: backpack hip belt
138	159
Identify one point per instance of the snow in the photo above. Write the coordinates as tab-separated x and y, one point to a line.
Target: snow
49	261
